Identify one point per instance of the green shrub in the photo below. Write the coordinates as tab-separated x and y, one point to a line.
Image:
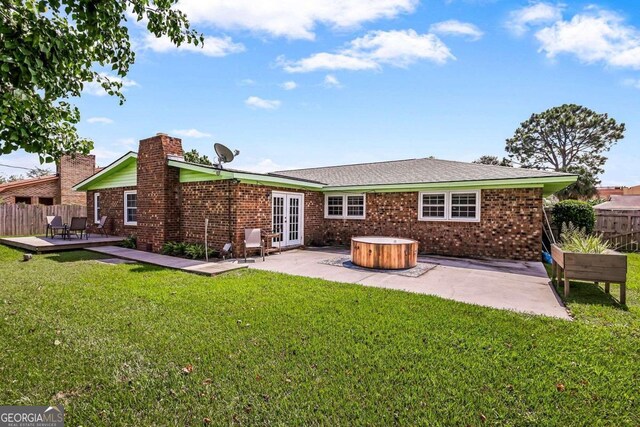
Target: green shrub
195	251
580	214
130	242
189	250
575	239
174	248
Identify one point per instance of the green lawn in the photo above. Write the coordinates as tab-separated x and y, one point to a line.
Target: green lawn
112	343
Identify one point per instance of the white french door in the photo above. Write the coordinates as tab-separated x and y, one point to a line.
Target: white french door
287	213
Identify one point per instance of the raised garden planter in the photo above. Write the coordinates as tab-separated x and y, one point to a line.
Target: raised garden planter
608	267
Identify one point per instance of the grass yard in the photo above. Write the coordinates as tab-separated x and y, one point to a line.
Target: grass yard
139	345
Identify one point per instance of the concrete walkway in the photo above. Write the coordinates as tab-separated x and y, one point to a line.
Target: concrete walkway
187	265
511	285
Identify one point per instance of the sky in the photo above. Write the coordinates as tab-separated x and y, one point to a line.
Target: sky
293	83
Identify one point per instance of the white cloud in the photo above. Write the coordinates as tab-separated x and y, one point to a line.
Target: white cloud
265	104
327	61
290	85
595	36
292	19
331	81
102	120
535	14
190	133
96	89
398	48
127	142
247	82
213	46
635	83
453	27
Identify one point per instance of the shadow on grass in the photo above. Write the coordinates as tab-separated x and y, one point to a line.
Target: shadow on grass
73	256
590	293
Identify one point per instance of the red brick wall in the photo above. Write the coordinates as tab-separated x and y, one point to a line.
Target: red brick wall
158	192
200	200
34	191
71	171
111	205
510	226
250	208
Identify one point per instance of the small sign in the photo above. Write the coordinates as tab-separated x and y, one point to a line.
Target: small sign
32	416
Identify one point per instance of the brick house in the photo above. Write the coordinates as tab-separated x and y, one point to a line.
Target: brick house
451	208
54	189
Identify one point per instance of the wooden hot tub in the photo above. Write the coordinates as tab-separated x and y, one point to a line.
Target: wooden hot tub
389	253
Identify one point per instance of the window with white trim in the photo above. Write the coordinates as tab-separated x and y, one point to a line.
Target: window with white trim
449	206
96	208
433	206
345	206
335	206
131	207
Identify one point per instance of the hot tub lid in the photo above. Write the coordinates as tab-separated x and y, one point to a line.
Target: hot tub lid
382	240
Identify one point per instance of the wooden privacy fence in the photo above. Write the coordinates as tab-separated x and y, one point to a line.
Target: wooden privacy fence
27	220
620	227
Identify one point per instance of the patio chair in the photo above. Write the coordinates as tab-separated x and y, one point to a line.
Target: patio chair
54	226
101	226
253	240
78	227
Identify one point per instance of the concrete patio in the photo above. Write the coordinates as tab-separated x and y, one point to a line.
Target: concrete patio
511	285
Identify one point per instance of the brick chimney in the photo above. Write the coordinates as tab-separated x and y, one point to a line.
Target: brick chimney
71	171
158	213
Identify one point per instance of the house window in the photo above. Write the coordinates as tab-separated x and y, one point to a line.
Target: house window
96	208
130	208
345	206
433	205
449	206
24	200
463	205
355	206
46	201
334	206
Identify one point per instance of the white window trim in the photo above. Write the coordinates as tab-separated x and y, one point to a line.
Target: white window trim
96	205
421	205
447	206
344	206
125	207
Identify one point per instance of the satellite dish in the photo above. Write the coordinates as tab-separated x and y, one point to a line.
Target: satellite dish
225	155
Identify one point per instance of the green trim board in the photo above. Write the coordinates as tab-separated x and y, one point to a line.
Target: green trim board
121	173
549	185
190	172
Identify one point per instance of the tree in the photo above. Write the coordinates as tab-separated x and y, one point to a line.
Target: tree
49	49
493	160
568	138
194	157
38	172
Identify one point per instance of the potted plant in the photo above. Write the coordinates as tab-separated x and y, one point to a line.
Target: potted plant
580	256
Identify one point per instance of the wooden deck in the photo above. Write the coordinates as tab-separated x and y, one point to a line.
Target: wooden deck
186	265
48	244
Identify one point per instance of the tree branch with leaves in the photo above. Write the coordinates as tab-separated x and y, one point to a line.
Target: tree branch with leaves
569	138
49	49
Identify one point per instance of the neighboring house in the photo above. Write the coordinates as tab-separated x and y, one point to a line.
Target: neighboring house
54	189
451	208
604	193
620	203
632	191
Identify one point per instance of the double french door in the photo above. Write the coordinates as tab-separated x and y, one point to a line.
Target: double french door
287	212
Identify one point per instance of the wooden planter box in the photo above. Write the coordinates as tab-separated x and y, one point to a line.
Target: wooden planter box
608	267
